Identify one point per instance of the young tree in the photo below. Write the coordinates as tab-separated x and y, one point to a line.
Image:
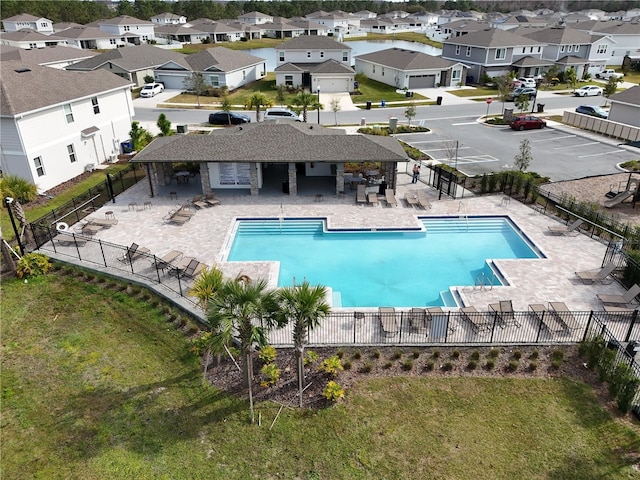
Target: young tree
610	87
450	149
410	112
164	125
570	77
504	87
522	102
335	108
280	94
523	157
225	105
305	101
257	101
305	306
140	137
195	84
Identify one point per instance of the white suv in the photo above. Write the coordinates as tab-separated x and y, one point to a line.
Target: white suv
281	114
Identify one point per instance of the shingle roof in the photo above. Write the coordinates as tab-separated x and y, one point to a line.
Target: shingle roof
274	142
630	96
406	59
312	42
26	87
28	35
22	17
292	67
560	36
531	62
125	20
572	60
130	58
85	32
43	56
332	66
492	37
221	58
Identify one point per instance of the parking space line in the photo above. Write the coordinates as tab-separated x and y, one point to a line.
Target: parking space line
603	153
540	130
465	123
439	149
553	138
577	145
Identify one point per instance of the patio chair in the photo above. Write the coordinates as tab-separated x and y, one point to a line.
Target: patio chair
103	222
620	300
167	260
361	194
193	269
388	321
562	313
175	218
134	252
599	276
198	202
565	229
546	318
372	198
67	239
418	320
504	312
211	199
411	199
422	200
390	197
479	321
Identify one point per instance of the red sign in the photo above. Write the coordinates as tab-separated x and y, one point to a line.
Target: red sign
489	99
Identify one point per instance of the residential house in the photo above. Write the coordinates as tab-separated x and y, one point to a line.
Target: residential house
337	21
251	32
282	28
27	38
252	155
462	27
90	38
133	30
515	21
69	121
365	15
219	66
255	18
171	34
130	63
309	27
494	52
378	25
168	18
626	37
58	27
53	57
571	48
426	18
218	31
394	14
408	69
625	107
301	63
26	20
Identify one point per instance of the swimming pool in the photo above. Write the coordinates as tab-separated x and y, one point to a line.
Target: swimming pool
365	268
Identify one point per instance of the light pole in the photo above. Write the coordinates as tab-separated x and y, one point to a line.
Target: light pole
7	203
318	104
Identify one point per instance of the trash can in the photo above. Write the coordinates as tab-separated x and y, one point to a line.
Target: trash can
540	107
407	94
368	105
285	187
383	103
383	187
439	100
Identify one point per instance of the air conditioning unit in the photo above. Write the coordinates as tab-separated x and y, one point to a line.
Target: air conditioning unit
89	167
111	158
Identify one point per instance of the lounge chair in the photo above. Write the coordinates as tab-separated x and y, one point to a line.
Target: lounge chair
361	194
388	320
211	199
620	300
188	267
66	239
479	321
562	313
372	198
565	229
411	199
167	260
422	200
546	318
390	197
134	252
103	222
599	276
418	319
198	202
504	312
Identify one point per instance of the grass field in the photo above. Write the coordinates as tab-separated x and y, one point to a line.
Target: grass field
97	384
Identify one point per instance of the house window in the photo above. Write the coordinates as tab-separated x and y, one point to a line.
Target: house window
281	56
96	107
214	80
145	38
345	56
576	48
321	54
33	45
308	54
72	153
539	49
126	28
455	75
457	49
37	162
468	51
43	25
501	53
569	48
602	48
374	69
524	49
112	41
244	74
382	68
561	48
530	49
288	80
68	113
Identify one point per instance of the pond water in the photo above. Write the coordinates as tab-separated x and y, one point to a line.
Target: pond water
359	47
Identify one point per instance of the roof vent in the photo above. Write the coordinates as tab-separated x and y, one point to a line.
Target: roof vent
22	70
239	128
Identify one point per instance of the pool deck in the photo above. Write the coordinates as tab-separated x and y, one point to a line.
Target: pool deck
208	233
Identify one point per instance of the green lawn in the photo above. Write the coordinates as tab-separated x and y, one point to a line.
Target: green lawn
97	384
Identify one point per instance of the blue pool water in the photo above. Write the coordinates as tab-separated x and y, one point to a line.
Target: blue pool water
376	268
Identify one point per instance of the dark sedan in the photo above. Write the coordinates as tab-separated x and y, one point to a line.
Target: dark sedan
592	110
526	122
228	118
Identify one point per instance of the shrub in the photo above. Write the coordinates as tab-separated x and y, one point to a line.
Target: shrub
17	187
447	367
475	355
267	354
627	392
534	355
407	364
533	366
396	355
436	353
557	355
494	353
367	367
32	265
387	365
472	365
376	354
346	365
517	355
340	353
332	365
357	355
271	374
429	366
310	357
556	364
455	354
416	354
333	391
513	365
490	364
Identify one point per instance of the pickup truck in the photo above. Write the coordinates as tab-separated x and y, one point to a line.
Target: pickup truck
608	73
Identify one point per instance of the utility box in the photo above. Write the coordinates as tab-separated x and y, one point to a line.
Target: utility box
182	128
633	348
393	124
508	114
363	122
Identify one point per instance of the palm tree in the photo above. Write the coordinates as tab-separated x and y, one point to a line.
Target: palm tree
306	101
257	101
305	306
206	285
244	311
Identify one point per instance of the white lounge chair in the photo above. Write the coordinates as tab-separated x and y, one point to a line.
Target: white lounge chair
620	300
564	229
599	276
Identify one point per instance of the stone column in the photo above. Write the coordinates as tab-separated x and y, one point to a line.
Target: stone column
152	177
293	180
205	181
253	178
340	178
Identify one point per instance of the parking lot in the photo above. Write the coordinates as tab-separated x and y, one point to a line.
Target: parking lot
559	152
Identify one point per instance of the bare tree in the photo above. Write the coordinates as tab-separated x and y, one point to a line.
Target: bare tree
335	108
450	149
195	84
523	157
410	112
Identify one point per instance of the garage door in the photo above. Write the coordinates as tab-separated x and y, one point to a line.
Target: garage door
328	85
172	82
422	81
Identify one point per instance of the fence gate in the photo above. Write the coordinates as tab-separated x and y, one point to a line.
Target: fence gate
444	181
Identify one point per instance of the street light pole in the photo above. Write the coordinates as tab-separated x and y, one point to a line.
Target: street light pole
7	202
318	104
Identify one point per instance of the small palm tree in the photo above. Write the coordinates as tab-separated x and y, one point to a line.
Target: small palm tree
257	101
305	306
305	101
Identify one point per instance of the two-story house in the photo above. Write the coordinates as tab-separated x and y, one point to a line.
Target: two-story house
255	18
134	30
314	62
90	38
494	52
26	20
167	18
337	21
69	121
27	38
625	35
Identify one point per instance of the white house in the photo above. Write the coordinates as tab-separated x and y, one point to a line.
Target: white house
169	19
408	69
625	107
90	38
68	123
255	18
136	31
53	57
27	38
219	66
25	20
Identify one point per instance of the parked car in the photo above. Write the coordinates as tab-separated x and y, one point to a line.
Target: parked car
526	122
608	73
592	110
228	118
524	82
282	114
151	89
531	92
588	91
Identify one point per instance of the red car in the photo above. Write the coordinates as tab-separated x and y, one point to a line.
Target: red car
526	122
